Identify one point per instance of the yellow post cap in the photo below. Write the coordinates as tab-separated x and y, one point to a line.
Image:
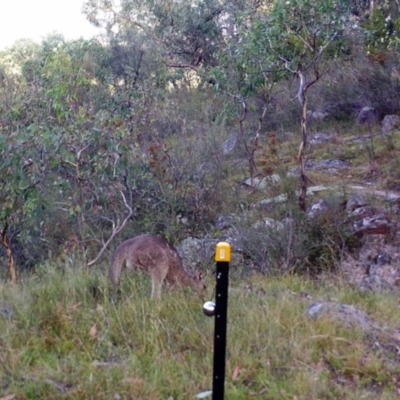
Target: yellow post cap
223	252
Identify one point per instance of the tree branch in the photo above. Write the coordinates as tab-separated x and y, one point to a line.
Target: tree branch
115	230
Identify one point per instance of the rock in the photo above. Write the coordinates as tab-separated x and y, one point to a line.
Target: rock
389	195
364	219
229	145
275	200
349	315
383	258
362	212
315	310
317	208
315	189
264	183
6	312
368	115
375	225
235	239
326	164
195	250
316	116
356	201
319	138
224	221
374	283
283	197
390	123
269	223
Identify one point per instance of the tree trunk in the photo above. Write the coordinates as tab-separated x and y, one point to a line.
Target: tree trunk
11	261
303	177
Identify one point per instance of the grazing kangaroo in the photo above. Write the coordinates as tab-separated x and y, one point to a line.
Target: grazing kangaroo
156	256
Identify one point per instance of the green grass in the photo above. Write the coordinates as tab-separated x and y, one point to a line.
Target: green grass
67	340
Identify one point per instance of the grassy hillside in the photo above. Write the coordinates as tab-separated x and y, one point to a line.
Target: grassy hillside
61	337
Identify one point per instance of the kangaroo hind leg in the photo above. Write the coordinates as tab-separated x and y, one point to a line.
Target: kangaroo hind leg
158	275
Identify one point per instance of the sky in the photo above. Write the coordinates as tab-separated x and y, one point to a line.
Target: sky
35	19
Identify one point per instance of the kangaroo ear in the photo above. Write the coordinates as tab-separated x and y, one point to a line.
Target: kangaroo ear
200	275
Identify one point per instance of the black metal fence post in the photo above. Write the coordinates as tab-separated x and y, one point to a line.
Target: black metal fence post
222	258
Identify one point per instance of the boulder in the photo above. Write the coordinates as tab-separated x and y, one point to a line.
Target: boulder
348	315
316	116
375	283
390	123
195	251
368	115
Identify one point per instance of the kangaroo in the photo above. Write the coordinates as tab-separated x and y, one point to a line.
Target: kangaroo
156	256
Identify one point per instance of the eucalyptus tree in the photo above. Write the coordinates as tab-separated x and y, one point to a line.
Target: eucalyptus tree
299	32
22	197
264	42
54	166
18	187
245	74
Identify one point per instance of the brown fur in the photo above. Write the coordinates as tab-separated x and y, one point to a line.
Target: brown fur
156	256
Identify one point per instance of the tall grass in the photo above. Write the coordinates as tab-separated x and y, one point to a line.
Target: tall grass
66	339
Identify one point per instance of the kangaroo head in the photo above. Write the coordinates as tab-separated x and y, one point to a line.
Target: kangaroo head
197	282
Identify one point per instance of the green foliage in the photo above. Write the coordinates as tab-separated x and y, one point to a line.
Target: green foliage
382	31
149	112
21	194
245	66
299	29
189	30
